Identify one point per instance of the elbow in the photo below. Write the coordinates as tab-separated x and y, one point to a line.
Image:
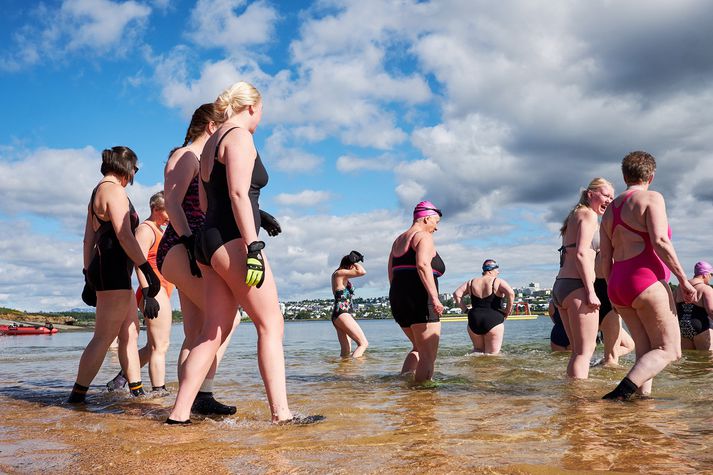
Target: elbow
662	242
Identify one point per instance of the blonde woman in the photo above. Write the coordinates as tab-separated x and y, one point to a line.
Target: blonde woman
573	291
234	267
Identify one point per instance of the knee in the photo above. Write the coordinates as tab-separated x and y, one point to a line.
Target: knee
159	347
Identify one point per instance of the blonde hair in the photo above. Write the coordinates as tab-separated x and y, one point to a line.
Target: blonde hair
594	185
236	98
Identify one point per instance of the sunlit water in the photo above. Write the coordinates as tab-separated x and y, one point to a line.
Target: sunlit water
515	413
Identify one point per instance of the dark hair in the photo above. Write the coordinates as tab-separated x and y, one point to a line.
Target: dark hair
203	116
346	263
157	201
120	161
638	167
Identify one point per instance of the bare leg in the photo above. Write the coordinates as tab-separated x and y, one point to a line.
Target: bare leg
347	324
158	338
345	343
129	346
493	340
477	340
412	358
426	337
112	309
703	340
581	324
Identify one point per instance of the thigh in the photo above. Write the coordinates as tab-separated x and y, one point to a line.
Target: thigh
223	311
636	328
657	313
583	320
159	328
703	340
347	324
112	309
426	337
176	270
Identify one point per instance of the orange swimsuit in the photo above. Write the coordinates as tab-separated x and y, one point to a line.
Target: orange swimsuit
167	286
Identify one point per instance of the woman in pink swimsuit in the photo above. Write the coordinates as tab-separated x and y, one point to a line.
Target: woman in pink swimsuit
637	253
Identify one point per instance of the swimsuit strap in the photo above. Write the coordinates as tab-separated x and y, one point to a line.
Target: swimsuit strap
94	194
492	290
217	147
618	221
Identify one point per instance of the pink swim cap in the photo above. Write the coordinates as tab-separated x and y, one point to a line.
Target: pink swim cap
702	267
425	208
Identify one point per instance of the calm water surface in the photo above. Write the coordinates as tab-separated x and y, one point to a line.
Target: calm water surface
515	413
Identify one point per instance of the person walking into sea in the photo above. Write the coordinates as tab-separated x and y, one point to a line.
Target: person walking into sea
110	253
235	269
414	268
343	313
573	291
486	316
694	319
176	252
158	329
638	258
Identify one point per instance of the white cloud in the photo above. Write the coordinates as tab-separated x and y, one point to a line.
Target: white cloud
97	27
288	159
214	23
349	164
305	198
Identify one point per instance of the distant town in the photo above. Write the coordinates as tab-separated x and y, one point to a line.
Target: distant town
531	300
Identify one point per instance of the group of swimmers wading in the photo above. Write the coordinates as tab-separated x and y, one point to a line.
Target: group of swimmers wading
211	253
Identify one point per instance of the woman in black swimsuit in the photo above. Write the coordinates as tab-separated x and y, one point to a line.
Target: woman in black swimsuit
694	318
414	268
486	316
235	270
343	313
110	253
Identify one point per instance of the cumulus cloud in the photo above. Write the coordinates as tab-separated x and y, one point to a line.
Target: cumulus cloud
305	198
215	23
349	164
89	26
286	158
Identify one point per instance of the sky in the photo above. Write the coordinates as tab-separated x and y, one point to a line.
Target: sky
497	112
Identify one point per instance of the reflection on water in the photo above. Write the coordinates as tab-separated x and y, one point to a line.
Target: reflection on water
513	413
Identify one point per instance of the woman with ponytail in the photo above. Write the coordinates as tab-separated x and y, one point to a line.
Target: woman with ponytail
573	291
234	267
176	256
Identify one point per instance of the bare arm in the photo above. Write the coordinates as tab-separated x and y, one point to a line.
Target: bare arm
425	250
145	237
180	170
117	205
458	296
606	251
88	248
585	255
708	300
357	270
657	227
504	290
239	156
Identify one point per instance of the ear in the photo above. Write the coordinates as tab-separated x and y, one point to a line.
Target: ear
211	127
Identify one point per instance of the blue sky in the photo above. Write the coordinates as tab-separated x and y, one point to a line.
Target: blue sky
498	112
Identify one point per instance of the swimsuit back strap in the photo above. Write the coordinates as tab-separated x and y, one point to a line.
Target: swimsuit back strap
619	221
91	200
492	290
217	147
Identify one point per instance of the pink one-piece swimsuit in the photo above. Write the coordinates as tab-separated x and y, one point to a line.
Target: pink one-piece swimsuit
630	277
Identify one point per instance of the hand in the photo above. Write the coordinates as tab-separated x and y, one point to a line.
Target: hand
269	223
593	301
255	264
689	292
355	256
89	295
151	306
190	243
437	306
154	284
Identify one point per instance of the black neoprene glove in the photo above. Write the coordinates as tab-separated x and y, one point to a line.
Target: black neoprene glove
151	306
154	284
355	257
190	243
269	223
89	295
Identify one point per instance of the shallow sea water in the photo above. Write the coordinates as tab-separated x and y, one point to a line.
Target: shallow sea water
514	413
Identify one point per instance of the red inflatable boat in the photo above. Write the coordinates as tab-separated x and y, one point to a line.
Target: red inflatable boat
27	330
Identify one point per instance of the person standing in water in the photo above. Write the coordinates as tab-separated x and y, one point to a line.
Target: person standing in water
694	318
414	269
234	267
343	313
638	258
573	291
110	254
486	317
